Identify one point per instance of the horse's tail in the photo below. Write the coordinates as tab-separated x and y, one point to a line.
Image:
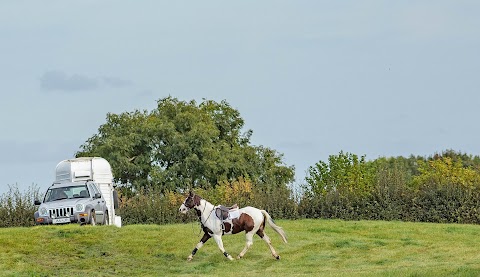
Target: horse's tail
275	227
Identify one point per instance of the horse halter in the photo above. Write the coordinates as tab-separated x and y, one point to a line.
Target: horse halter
189	203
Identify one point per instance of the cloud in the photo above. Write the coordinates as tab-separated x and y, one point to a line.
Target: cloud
117	82
60	81
57	80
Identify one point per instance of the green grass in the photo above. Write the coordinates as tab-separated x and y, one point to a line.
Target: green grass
315	248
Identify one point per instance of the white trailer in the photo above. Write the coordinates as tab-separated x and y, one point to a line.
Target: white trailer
97	170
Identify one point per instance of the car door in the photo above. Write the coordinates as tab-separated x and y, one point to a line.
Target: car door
99	204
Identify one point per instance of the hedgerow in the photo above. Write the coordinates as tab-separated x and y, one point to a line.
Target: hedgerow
443	188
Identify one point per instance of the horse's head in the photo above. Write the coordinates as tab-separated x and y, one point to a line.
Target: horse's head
190	202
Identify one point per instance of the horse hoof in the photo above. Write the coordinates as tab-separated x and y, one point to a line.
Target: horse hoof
239	257
278	257
231	258
189	259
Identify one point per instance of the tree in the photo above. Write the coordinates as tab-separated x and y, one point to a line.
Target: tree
343	171
443	171
182	145
465	159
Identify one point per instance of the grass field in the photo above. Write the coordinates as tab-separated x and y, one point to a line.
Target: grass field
315	248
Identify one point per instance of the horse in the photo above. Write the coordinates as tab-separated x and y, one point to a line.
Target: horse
250	219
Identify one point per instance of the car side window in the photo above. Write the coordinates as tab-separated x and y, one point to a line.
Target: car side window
48	196
94	189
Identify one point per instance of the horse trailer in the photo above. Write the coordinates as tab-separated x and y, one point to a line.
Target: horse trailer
94	169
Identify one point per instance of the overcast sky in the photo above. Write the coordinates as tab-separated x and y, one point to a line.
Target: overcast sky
310	78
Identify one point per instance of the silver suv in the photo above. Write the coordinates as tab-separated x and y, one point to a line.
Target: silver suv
69	202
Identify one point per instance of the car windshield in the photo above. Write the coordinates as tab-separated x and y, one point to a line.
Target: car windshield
54	194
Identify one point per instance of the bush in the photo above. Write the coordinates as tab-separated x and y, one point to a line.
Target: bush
17	208
447	204
394	200
152	207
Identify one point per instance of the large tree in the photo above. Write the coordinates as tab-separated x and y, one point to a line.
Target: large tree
182	145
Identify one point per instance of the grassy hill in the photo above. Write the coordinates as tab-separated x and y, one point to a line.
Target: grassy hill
315	248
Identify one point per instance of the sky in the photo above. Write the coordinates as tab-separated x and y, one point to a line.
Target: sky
310	78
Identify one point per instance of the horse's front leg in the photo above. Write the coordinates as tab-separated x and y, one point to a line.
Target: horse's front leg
218	239
204	239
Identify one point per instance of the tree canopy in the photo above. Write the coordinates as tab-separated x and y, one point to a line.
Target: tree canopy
181	145
343	171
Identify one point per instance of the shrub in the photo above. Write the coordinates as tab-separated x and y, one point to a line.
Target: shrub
17	208
151	207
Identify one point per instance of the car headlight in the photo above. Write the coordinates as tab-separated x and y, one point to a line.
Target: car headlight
79	207
43	212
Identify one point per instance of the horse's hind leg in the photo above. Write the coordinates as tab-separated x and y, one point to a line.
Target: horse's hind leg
218	239
264	236
248	243
198	246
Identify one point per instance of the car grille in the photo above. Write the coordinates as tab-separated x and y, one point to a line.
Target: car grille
61	212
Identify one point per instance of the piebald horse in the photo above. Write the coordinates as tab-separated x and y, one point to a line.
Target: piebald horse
251	220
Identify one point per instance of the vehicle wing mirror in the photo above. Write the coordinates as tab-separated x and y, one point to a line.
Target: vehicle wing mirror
98	195
37	202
